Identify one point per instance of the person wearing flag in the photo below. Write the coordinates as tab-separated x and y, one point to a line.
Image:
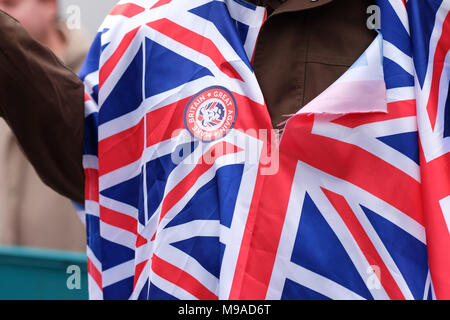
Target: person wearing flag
175	211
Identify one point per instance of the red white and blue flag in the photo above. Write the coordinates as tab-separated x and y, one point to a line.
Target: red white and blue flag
188	197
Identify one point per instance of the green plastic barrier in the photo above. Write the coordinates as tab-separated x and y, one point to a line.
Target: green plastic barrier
42	274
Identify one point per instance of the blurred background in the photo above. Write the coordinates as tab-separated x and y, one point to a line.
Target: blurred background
92	12
42	239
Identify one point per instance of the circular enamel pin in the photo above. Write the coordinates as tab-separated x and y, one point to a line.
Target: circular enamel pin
211	113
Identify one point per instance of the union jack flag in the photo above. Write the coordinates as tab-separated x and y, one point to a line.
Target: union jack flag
175	209
166	211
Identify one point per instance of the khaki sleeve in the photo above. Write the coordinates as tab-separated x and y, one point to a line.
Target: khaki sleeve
43	103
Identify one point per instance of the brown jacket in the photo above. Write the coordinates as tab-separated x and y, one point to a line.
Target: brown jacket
303	47
27	206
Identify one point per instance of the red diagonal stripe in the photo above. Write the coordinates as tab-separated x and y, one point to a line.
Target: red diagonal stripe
365	244
204	164
251	115
121	149
442	48
181	279
95	274
196	42
138	271
108	67
118	219
353	164
166	122
160	3
395	110
140	241
127	10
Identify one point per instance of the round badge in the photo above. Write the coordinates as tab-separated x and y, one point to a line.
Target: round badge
211	113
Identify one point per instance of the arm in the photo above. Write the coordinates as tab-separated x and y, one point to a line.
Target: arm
43	103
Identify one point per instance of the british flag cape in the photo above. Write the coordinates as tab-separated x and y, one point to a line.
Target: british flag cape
189	195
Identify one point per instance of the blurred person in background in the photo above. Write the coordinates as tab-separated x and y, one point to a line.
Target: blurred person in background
31	214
